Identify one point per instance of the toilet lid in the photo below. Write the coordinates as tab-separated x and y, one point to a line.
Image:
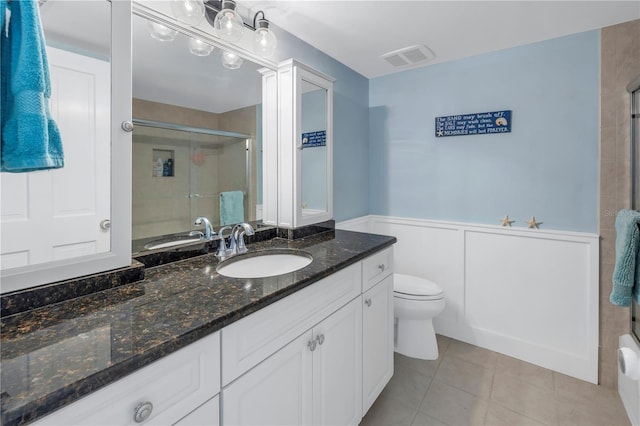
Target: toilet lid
416	287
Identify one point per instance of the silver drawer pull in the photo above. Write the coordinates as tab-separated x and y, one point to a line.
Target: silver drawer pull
312	345
381	267
142	411
320	339
367	302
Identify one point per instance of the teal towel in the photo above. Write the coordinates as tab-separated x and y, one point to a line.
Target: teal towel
30	137
231	207
626	273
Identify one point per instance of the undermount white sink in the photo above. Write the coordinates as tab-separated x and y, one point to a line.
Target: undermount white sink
265	264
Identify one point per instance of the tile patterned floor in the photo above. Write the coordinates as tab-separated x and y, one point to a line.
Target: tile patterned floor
469	385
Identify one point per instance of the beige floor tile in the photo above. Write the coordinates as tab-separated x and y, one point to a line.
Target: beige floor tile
523	398
569	389
537	376
388	412
497	415
422	419
453	406
570	414
407	385
471	353
472	378
420	365
443	343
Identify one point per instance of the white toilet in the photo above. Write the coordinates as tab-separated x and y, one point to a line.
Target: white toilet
416	301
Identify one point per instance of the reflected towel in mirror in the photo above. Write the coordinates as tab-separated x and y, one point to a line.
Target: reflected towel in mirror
231	207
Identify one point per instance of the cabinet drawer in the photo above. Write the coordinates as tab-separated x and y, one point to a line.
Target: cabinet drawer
176	385
376	267
247	342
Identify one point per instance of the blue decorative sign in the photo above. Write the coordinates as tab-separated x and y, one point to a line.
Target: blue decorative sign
312	139
479	123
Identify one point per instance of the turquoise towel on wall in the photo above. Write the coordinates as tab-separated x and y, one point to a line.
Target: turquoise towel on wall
231	207
626	272
30	137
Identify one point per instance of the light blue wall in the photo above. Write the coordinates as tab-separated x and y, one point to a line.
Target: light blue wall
547	166
350	126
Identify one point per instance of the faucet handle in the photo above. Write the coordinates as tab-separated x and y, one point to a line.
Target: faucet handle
223	250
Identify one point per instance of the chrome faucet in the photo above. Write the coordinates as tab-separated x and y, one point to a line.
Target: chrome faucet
209	233
237	245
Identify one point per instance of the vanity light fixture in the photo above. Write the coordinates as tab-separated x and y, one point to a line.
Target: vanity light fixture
189	12
231	61
160	32
199	48
228	23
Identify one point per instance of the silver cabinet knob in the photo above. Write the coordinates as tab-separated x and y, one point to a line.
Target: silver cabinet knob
105	224
367	302
312	345
320	339
142	411
381	267
127	126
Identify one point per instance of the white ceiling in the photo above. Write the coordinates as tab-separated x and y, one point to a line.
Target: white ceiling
356	33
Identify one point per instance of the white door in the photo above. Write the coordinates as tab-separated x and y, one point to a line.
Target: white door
377	341
276	392
337	367
62	208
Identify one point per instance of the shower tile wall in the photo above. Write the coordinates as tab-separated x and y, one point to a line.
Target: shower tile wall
620	63
174	215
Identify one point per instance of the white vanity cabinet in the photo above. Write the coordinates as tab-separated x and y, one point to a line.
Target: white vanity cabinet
297	361
377	325
377	341
158	394
316	379
336	361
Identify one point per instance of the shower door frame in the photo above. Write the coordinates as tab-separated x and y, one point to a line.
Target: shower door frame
634	91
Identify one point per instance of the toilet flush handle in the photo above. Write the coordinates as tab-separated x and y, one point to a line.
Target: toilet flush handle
367	302
381	267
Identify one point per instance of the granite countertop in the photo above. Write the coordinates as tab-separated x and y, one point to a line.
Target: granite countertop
53	355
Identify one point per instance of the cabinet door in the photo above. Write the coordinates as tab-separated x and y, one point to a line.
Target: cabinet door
377	340
337	367
275	392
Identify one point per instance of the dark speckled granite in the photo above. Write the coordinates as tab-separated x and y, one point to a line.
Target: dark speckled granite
36	297
53	355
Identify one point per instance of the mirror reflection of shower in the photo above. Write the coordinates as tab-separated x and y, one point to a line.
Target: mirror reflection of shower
180	172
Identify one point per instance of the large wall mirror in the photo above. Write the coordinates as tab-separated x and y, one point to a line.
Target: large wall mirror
62	223
197	143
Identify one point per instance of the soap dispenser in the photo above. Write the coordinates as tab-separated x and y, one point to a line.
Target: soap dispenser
159	167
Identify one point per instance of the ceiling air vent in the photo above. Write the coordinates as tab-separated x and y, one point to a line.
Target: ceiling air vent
412	55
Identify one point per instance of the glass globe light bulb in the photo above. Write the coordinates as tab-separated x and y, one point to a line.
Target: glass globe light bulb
199	48
160	32
190	12
231	60
228	23
264	41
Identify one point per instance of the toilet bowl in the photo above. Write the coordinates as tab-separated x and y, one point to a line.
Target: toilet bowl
416	301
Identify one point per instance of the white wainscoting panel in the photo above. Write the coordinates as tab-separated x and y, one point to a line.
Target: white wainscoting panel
527	293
